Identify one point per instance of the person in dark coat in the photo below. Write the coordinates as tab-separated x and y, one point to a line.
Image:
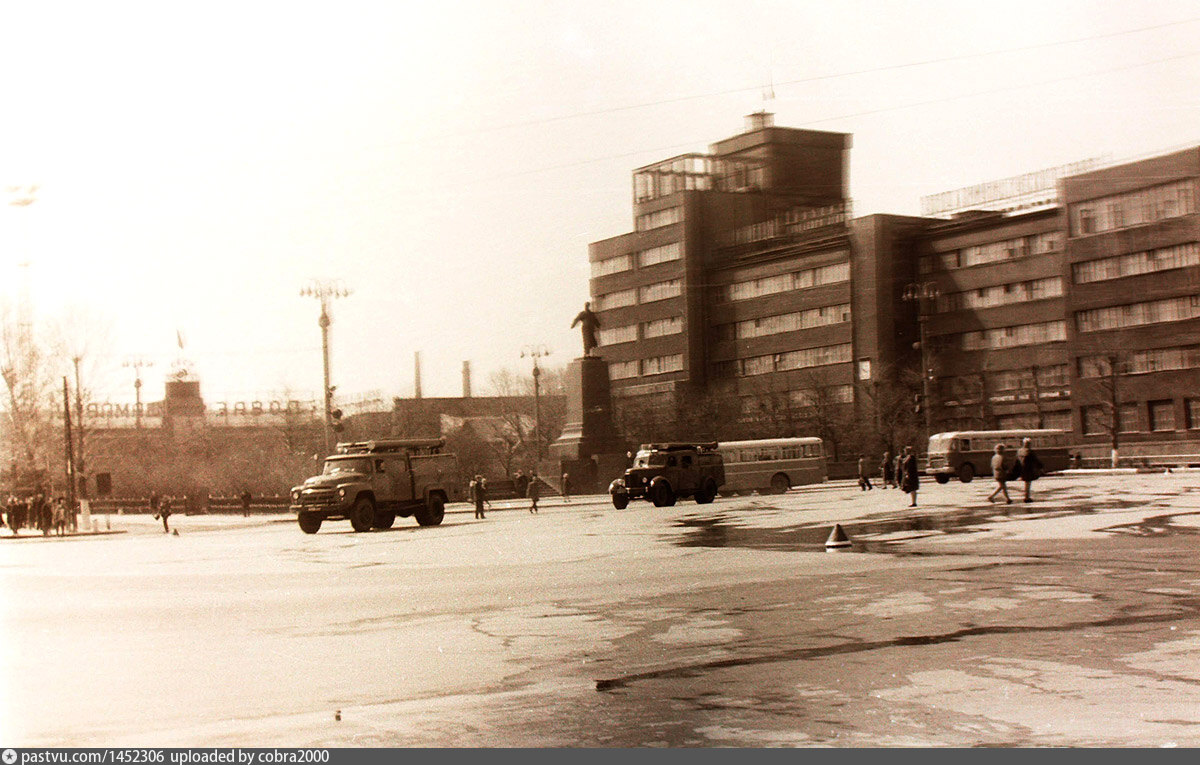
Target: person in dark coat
521	483
909	481
246	500
888	469
535	491
164	512
566	487
1027	467
478	495
864	477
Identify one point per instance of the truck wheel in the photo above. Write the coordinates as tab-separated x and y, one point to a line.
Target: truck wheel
362	514
433	512
384	519
942	478
664	495
310	523
780	483
707	493
966	473
620	501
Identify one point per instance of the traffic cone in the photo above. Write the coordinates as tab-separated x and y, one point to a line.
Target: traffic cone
837	538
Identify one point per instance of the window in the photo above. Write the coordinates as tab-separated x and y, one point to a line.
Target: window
616	300
1002	294
1057	420
1143	362
658	218
790	322
1136	208
660	327
616	335
1191	410
662	254
621	370
1094	420
1162	415
662	364
611	265
1163	259
770	285
660	291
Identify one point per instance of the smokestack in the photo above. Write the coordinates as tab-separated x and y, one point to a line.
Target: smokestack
466	379
416	374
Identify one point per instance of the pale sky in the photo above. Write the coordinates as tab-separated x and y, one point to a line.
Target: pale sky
198	163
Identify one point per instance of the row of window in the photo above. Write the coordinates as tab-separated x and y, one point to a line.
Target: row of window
658	218
795	280
637	295
785	322
1001	294
1162	259
800	399
1009	337
1138	314
672	325
783	362
992	252
1153	416
657	365
1142	362
1048	376
1136	208
644	258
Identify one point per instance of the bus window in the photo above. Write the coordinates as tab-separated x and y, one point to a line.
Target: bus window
965	445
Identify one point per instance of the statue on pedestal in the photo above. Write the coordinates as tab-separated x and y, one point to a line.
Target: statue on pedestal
588	323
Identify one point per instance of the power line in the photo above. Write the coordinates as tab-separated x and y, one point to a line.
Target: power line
814	78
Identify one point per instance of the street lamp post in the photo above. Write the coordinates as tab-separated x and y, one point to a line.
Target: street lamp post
536	352
924	294
326	290
137	364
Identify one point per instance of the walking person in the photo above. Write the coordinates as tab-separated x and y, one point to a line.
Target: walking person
1000	473
896	465
246	500
1028	467
864	478
60	516
163	513
909	481
887	469
534	492
478	495
566	490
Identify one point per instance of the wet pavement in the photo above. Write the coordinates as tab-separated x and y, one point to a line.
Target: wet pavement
1070	621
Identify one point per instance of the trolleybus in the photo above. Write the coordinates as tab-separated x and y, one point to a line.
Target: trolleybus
772	464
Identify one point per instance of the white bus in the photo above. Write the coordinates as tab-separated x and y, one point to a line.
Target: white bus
967	453
772	464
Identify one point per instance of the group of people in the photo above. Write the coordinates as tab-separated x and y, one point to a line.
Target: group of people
902	471
49	515
528	486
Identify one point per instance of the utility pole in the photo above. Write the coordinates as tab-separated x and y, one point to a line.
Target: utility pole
326	290
536	352
80	471
137	364
925	295
70	466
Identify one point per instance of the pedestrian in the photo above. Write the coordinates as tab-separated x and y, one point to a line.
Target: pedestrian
478	495
60	516
566	487
40	510
896	463
1027	467
164	512
1000	473
246	499
909	482
154	503
534	492
887	469
521	483
864	478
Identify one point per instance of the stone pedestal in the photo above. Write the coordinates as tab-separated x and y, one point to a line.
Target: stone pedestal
589	446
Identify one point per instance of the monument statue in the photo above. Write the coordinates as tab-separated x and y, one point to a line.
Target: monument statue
588	323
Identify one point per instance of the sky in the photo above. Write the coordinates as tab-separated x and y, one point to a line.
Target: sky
198	164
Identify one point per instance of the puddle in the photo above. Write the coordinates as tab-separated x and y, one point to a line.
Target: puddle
724	531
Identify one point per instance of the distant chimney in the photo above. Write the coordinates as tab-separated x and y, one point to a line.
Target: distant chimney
759	120
466	379
416	374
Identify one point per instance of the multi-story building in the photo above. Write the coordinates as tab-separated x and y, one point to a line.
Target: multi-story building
1132	309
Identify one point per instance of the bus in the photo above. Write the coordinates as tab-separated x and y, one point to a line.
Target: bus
772	464
968	453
